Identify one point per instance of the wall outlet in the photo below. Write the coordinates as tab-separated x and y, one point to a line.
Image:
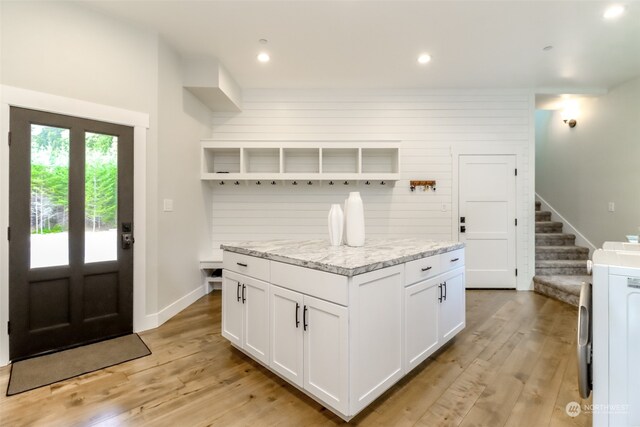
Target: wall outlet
612	207
167	205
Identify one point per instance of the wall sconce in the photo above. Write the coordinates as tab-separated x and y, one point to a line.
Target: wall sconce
570	112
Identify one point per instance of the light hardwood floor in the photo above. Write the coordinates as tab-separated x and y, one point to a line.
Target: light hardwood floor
513	365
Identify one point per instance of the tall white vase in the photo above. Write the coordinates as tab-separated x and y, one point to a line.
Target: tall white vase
336	225
354	214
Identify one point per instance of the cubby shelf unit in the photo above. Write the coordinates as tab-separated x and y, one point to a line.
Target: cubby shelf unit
303	161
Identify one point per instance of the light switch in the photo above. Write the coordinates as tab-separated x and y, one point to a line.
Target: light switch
612	207
167	205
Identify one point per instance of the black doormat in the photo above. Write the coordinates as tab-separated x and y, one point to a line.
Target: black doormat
52	368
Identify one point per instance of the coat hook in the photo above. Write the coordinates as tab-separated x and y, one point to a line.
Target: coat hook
258	183
221	182
236	183
309	183
367	183
295	183
346	183
330	182
383	183
273	183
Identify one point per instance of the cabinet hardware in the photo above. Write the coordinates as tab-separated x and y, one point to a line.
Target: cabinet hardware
297	311
241	264
444	297
463	229
426	269
455	259
440	295
304	319
243	297
238	292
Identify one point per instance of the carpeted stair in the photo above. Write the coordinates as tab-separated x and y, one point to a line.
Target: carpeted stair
561	266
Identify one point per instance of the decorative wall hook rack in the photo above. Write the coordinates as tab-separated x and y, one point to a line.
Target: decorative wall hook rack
426	185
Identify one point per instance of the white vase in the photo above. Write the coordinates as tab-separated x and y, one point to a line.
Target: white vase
354	214
336	225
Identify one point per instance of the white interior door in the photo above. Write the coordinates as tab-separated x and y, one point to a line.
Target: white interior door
487	223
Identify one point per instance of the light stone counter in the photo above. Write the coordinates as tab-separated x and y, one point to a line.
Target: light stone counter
343	260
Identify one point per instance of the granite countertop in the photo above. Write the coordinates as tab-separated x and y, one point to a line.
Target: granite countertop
343	260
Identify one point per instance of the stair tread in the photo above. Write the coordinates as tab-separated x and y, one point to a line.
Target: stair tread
546	248
568	283
548	223
568	235
561	263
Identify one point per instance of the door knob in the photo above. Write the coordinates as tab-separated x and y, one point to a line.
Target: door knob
127	240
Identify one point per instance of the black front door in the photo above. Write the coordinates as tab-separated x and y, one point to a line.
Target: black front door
71	232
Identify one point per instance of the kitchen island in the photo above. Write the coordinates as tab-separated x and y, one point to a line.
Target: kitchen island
342	324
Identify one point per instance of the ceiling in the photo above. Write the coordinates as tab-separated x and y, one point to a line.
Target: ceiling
375	44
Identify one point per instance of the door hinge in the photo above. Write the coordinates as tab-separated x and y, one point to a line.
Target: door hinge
516	171
516	222
516	272
8	328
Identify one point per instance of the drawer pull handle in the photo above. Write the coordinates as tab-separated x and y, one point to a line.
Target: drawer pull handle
455	259
241	264
426	269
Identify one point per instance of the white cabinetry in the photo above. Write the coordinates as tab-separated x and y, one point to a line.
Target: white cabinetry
342	340
314	161
245	314
309	344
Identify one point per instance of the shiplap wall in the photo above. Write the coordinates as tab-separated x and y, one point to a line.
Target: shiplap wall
429	124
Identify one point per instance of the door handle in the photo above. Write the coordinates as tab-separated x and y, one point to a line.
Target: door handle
243	297
304	319
238	292
127	240
297	311
444	297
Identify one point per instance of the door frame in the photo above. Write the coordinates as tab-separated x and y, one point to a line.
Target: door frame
17	97
525	232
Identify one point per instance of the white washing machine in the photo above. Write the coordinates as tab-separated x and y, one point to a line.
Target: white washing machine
609	338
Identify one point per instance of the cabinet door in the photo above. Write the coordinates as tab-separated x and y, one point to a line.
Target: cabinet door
286	334
452	307
421	318
326	352
232	308
256	318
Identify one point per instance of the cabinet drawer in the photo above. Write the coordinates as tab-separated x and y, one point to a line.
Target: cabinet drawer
420	269
320	284
451	260
245	264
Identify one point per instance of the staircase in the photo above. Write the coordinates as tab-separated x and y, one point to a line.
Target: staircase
561	266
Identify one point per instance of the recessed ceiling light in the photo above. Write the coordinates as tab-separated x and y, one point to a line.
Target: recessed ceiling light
547	48
613	12
424	58
264	57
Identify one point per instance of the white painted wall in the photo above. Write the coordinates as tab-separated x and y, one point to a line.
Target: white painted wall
429	124
580	170
70	50
183	120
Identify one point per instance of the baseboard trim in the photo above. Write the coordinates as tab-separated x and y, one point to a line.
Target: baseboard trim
177	306
566	225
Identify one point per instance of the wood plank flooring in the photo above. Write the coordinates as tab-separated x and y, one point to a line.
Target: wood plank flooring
513	365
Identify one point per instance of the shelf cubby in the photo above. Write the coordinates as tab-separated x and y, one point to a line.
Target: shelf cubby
301	160
261	160
220	160
340	160
380	160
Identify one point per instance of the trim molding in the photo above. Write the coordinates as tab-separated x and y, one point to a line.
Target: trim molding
581	240
177	306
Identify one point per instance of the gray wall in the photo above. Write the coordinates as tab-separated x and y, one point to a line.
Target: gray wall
580	170
73	51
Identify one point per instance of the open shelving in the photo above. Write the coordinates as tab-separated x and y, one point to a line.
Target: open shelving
316	161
